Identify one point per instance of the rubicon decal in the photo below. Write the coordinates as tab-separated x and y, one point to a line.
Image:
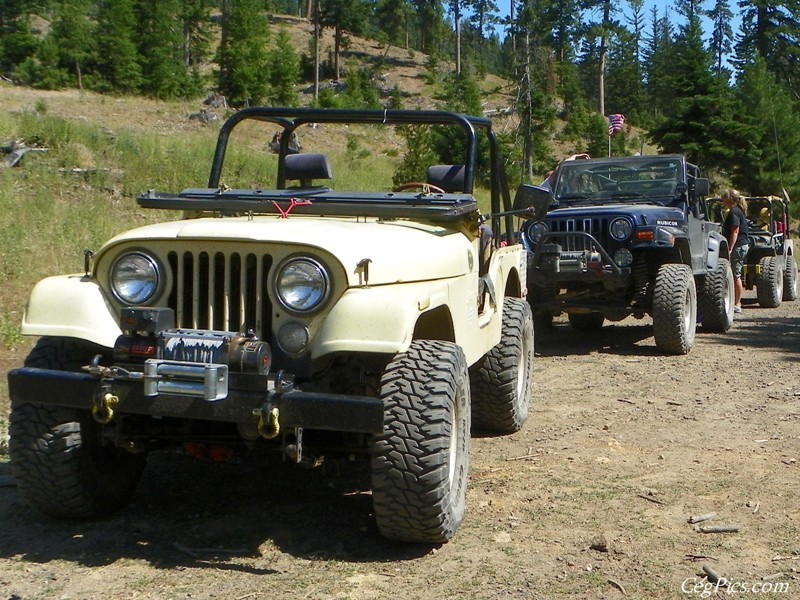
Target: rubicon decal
668	223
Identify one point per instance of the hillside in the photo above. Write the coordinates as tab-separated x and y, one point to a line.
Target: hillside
398	67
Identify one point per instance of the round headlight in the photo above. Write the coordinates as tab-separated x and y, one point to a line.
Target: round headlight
134	278
302	284
620	229
536	231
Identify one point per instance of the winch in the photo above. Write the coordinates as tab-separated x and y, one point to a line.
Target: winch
189	362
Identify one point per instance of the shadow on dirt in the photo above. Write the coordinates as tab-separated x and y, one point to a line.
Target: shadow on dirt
762	328
560	339
221	516
755	327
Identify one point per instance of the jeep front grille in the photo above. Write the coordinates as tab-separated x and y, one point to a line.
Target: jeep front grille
223	291
596	227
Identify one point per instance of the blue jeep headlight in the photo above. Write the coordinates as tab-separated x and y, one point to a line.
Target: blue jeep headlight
536	230
620	229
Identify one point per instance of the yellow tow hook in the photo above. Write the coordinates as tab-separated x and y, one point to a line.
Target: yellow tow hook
269	428
103	412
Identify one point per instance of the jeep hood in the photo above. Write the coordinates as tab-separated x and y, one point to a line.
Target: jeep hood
399	251
642	214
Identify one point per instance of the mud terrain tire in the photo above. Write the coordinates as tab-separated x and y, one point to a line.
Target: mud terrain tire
674	309
769	285
57	458
501	382
420	463
715	298
791	285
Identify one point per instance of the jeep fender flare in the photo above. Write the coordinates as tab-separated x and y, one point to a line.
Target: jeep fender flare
71	306
717	247
383	319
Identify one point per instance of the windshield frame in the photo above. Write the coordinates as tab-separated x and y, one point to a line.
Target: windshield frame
652	179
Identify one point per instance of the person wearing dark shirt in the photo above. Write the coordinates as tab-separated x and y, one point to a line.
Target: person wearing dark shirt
734	228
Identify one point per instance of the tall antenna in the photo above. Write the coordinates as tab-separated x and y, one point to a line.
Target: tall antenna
778	151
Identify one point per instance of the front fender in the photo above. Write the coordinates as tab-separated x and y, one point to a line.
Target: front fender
377	319
382	319
717	247
70	306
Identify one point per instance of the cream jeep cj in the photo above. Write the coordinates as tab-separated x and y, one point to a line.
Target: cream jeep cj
379	327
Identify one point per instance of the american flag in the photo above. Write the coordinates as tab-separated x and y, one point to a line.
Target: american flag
615	123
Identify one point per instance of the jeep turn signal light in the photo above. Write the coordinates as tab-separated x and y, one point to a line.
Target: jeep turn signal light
646	235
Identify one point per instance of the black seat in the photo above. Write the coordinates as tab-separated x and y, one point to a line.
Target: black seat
448	177
306	168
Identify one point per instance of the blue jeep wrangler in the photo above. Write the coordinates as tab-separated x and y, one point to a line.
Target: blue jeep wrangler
621	236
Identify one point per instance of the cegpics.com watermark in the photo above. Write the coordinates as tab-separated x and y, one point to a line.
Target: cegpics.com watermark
703	588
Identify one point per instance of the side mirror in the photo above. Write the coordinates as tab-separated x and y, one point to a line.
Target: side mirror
701	186
533	199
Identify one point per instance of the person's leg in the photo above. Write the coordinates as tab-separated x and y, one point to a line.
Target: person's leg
738	288
737	265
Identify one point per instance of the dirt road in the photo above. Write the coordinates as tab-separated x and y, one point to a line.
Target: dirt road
590	500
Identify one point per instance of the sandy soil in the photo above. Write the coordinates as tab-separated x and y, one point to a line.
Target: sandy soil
592	499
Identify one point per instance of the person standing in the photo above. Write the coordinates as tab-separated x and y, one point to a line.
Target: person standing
734	228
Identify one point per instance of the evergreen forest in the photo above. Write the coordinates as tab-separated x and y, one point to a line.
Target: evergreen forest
713	79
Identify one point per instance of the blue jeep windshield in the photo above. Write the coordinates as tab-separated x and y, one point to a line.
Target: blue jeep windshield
648	179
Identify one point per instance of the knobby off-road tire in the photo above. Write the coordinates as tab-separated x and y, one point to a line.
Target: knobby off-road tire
502	380
769	285
791	285
674	309
592	321
715	298
420	463
60	466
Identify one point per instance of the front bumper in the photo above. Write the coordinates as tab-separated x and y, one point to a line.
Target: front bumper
551	262
250	401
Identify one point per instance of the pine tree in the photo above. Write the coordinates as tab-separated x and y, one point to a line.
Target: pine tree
17	41
484	15
700	122
343	16
658	65
721	34
161	49
72	33
772	31
534	102
117	60
768	156
242	57
196	32
392	19
625	91
284	71
431	28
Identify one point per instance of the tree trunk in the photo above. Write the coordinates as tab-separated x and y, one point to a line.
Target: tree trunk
527	113
187	40
337	36
457	19
316	47
603	50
